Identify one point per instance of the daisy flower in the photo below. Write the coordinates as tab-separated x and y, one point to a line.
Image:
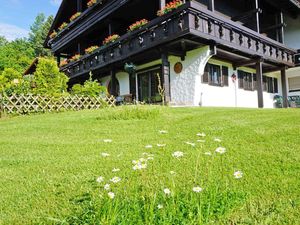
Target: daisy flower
104	154
107	187
150	158
177	154
163	132
207	153
201	134
115	170
107	140
160	206
217	140
197	189
202	141
221	150
172	172
100	179
148	146
190	143
111	195
167	191
238	174
161	145
115	179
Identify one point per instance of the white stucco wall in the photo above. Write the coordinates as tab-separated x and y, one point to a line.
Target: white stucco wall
292	32
123	79
187	88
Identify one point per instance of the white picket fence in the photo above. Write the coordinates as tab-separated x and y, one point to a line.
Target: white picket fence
25	104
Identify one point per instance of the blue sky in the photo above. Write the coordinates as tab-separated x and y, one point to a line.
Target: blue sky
16	16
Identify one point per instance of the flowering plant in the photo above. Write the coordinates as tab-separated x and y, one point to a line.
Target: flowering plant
111	39
91	3
75	57
53	34
76	15
63	63
91	49
62	26
137	24
169	7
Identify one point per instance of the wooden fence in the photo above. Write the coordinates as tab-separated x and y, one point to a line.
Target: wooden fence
24	104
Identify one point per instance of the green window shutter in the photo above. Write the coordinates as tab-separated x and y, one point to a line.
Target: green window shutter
205	74
241	79
225	76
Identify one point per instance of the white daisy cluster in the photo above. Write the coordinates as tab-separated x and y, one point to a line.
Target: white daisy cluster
141	163
177	154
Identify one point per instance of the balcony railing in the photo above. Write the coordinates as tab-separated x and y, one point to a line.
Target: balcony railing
188	20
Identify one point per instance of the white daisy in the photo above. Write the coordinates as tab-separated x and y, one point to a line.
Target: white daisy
104	154
221	150
161	145
201	134
107	187
100	179
107	140
115	179
167	191
238	174
190	143
150	158
111	195
207	153
115	170
197	189
217	140
172	172
163	132
160	206
148	146
177	154
201	141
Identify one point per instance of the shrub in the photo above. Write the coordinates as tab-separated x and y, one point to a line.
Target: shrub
10	80
48	79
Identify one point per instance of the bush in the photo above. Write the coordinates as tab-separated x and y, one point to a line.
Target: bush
10	81
48	79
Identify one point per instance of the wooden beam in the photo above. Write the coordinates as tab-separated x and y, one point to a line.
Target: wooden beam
281	29
257	17
113	90
249	62
285	102
259	79
166	76
246	15
211	5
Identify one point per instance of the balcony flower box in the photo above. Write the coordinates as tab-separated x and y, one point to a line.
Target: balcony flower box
75	16
53	34
169	7
75	58
63	63
91	49
91	3
111	39
62	26
137	25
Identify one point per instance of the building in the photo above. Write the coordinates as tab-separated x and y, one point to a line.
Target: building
205	52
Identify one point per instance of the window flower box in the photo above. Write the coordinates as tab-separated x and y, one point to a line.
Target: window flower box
169	7
63	63
53	34
91	49
75	16
75	58
137	25
111	39
62	26
91	3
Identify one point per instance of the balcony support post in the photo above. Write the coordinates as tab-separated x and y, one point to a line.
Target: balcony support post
259	84
113	82
211	5
257	17
58	59
79	5
285	102
162	4
166	76
280	31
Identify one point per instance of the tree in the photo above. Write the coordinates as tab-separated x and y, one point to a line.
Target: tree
10	80
47	78
38	33
3	41
17	55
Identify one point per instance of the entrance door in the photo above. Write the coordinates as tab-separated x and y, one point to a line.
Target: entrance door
148	85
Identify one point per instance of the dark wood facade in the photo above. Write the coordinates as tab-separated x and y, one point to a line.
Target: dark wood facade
237	36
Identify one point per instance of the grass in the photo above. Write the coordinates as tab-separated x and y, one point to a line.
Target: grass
49	165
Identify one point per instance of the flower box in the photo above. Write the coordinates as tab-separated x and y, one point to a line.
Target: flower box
63	63
169	7
75	57
53	34
137	25
91	3
91	49
62	26
75	16
111	39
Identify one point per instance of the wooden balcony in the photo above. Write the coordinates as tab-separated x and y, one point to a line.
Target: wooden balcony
193	22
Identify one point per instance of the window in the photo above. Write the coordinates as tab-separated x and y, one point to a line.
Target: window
294	84
215	75
248	81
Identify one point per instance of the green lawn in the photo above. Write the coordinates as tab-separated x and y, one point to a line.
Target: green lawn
49	165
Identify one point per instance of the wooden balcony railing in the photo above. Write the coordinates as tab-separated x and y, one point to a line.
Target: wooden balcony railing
188	20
